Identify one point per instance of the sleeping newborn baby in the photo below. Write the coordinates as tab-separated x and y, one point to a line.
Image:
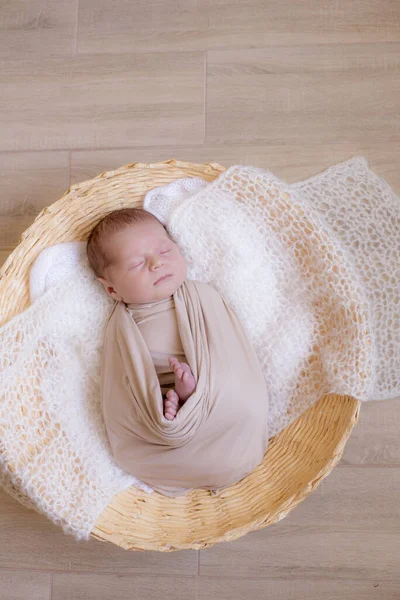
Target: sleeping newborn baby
183	395
143	267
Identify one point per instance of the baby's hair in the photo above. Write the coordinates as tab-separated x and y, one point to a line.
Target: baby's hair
112	223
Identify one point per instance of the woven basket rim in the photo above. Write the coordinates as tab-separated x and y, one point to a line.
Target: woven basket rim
120	521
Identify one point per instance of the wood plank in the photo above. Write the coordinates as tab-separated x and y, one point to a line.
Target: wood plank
349	528
205	24
31	180
99	586
11	229
291	95
30	541
296	589
4	254
37	27
21	585
375	440
102	101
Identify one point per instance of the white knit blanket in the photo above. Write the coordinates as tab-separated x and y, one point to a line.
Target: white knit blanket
311	270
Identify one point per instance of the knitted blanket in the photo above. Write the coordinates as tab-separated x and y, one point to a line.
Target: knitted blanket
311	270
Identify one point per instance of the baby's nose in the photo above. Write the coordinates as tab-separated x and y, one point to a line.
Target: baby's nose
156	264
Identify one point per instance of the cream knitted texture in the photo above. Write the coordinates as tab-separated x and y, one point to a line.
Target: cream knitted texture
312	271
363	214
54	451
319	302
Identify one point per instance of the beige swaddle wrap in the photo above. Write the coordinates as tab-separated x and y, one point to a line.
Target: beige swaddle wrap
220	434
159	327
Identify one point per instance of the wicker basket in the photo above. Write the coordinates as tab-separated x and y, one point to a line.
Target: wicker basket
297	459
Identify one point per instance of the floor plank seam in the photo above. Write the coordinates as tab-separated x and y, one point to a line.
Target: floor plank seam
117	573
228	144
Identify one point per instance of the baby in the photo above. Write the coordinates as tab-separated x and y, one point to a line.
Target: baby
138	263
182	392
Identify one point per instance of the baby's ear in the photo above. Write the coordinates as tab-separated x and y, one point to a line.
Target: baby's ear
109	289
103	281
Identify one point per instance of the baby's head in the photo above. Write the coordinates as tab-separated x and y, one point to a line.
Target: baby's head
129	251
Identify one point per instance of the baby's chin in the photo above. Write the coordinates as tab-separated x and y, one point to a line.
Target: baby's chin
161	291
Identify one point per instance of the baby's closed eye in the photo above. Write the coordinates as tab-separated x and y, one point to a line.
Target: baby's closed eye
137	265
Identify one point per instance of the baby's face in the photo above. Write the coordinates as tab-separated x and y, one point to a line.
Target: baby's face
141	254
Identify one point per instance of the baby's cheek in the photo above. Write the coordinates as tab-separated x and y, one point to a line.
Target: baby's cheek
184	270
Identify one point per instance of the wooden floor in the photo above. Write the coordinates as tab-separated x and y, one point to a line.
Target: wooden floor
292	86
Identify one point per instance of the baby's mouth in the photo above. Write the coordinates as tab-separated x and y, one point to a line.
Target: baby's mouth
163	278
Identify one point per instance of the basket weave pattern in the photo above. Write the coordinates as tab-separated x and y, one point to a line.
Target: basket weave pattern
297	459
